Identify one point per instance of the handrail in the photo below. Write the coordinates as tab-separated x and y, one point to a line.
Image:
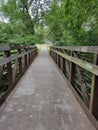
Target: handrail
14	60
89	49
80	66
86	65
4	48
10	58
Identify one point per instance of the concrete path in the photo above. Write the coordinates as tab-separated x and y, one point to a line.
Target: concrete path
43	101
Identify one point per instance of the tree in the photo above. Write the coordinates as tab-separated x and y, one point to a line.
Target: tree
70	22
24	17
19	10
73	22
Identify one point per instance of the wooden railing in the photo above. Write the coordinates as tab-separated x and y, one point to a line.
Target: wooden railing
14	60
80	66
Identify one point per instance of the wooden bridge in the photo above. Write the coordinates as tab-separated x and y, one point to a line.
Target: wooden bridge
48	96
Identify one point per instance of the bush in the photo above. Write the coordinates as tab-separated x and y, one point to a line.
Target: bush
24	40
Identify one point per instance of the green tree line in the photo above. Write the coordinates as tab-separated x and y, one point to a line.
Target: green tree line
63	22
73	22
23	24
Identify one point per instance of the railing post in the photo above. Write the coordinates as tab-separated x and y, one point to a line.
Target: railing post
1	73
30	56
26	57
62	62
72	71
35	51
94	92
9	70
56	58
64	65
20	62
59	60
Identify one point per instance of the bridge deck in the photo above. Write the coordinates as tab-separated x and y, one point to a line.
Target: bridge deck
43	101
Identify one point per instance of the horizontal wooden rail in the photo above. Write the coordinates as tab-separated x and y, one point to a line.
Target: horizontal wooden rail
6	48
9	59
80	66
86	65
89	49
14	60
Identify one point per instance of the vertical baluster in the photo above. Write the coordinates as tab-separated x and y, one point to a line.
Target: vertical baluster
9	70
94	92
72	71
25	57
64	65
59	60
20	62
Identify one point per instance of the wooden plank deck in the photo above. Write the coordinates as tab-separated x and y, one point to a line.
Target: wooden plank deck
42	100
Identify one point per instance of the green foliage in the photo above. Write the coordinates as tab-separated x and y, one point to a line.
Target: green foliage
25	24
73	22
24	40
20	27
64	22
53	21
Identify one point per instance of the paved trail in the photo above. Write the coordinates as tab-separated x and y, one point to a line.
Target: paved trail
42	100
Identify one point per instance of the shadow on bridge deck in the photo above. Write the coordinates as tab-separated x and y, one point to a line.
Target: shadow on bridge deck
42	100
